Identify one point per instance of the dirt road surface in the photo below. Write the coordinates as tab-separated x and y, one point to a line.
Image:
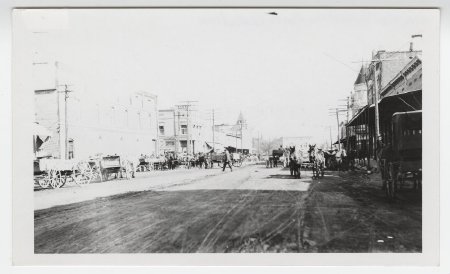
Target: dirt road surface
252	209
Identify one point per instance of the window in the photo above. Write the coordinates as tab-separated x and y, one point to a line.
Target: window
70	149
183	129
161	129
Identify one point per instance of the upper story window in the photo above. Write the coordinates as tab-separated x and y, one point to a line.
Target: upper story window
161	129
183	129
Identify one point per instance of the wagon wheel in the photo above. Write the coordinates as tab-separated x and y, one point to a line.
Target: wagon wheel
81	179
105	175
44	182
391	181
83	174
129	170
96	172
237	163
57	179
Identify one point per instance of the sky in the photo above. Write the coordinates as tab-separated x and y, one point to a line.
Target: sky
282	71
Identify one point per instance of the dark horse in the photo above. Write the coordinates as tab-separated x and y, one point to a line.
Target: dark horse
317	159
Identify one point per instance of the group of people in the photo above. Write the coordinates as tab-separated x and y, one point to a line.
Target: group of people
294	166
200	160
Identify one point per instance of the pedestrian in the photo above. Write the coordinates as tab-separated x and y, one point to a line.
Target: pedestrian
170	162
291	166
297	166
227	160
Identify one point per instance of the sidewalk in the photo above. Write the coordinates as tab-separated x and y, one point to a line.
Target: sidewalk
349	212
72	193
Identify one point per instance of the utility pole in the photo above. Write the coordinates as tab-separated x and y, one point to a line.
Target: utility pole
259	145
242	151
339	138
175	131
58	113
188	143
346	126
213	130
66	128
331	140
187	106
377	115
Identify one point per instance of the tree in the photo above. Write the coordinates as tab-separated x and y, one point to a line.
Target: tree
268	145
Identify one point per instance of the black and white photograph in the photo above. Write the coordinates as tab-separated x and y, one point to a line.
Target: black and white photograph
244	130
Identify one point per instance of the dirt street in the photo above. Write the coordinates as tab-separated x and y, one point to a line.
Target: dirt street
252	209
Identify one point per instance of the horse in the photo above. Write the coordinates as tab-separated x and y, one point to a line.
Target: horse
286	155
295	163
341	159
317	159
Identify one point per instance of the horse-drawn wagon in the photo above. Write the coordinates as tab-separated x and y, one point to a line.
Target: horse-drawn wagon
56	172
402	159
114	165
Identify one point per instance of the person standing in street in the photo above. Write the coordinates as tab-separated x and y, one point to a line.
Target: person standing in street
170	162
227	160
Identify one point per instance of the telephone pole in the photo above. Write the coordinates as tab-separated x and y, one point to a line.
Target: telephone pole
58	112
377	115
346	126
331	140
242	151
175	131
66	92
66	120
339	138
336	112
213	129
187	105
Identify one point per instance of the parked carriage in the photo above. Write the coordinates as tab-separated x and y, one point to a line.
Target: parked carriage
56	173
402	160
236	159
215	157
113	165
146	163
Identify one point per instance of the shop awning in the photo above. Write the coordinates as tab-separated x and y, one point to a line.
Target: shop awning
407	101
357	119
41	131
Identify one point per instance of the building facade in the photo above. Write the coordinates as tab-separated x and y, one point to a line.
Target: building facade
399	86
82	126
178	126
389	64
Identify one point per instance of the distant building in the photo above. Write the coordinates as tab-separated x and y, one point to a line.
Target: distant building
358	97
399	86
236	137
176	127
301	142
389	65
406	80
123	126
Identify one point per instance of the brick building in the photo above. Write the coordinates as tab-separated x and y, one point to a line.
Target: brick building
174	127
123	125
400	89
